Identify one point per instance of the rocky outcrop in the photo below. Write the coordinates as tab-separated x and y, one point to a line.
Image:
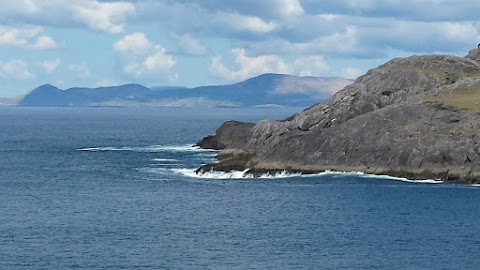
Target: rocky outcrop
415	117
474	55
232	134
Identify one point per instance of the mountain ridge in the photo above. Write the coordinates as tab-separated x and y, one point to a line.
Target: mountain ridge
279	89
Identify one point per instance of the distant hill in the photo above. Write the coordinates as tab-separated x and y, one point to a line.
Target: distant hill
267	89
167	88
10	102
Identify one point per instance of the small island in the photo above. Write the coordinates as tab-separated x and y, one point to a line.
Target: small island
416	117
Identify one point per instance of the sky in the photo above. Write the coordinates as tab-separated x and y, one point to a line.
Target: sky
93	43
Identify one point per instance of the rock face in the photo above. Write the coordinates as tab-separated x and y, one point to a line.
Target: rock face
415	117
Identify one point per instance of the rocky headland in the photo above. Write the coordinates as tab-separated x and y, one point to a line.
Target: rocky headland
416	117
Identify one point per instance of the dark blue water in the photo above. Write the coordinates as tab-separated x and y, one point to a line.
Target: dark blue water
124	201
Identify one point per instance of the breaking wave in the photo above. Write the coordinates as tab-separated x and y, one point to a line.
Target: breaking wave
424	181
186	166
165	160
232	175
150	149
284	174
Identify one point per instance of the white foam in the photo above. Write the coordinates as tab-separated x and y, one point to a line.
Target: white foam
232	174
167	164
212	174
209	154
424	181
156	171
366	175
107	148
284	174
178	148
151	148
165	160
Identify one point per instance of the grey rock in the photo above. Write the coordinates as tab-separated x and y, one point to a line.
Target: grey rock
405	118
232	134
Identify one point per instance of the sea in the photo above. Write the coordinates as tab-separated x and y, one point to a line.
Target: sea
115	188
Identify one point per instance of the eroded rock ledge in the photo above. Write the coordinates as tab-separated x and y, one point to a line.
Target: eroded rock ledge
415	117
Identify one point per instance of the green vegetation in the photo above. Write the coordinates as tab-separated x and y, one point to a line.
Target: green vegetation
465	97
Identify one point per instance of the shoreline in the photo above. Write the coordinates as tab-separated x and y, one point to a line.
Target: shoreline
445	175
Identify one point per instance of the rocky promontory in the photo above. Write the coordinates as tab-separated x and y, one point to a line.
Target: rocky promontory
416	117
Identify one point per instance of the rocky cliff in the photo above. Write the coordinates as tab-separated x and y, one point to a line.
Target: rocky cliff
415	117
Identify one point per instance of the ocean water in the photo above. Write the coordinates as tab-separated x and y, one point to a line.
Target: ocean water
113	188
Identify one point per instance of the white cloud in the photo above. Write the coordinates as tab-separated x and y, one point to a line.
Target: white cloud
98	15
189	45
310	66
17	37
284	36
133	43
81	70
140	57
51	65
15	69
455	31
158	60
351	73
104	83
242	23
336	43
44	43
328	17
26	37
108	17
344	28
248	66
367	5
364	38
289	8
419	37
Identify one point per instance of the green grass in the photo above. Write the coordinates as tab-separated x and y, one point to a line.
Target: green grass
467	98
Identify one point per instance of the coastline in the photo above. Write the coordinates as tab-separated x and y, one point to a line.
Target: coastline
415	118
446	175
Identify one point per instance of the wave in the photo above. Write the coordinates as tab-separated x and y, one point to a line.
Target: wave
150	149
377	176
174	165
284	174
232	174
208	155
425	181
165	160
212	174
107	148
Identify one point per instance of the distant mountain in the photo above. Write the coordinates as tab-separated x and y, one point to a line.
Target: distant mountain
50	96
9	102
167	88
267	89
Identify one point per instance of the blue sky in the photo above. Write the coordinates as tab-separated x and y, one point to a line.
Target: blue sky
191	43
